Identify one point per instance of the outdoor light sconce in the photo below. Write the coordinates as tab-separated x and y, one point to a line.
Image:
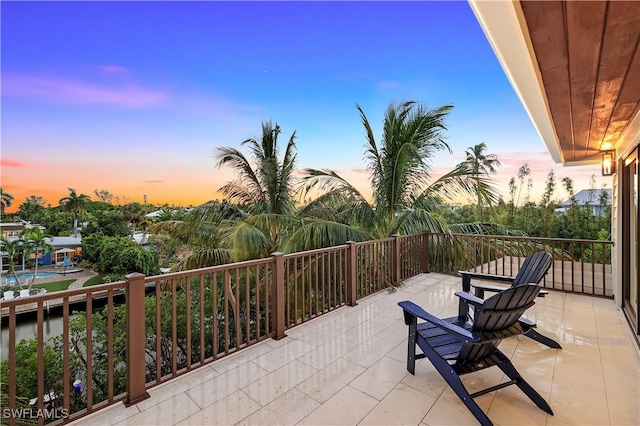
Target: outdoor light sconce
608	163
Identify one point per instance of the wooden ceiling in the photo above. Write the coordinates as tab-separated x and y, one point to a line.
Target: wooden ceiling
588	57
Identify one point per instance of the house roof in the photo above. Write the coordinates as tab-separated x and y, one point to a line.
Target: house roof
575	65
59	242
590	197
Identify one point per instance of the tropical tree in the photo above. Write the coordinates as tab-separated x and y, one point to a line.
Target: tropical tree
263	189
136	216
405	196
193	241
33	209
264	182
76	204
13	249
547	205
37	242
481	164
6	200
104	195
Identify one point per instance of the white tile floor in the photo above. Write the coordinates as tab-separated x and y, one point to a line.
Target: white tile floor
348	367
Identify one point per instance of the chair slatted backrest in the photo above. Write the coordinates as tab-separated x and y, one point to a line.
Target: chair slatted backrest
498	313
533	269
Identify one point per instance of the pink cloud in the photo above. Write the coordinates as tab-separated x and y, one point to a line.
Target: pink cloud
10	163
78	92
361	171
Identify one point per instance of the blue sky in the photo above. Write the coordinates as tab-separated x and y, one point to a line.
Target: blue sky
133	97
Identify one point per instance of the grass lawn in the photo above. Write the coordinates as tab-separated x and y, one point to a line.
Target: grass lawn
55	286
98	279
62	285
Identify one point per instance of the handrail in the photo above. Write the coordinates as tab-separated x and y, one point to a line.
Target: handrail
192	318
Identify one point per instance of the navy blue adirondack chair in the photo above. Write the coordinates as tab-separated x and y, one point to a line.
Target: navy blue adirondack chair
457	346
533	269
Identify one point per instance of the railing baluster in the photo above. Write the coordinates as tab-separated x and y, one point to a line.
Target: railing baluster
237	326
214	308
158	332
89	347
66	379
40	355
110	360
188	320
202	322
174	326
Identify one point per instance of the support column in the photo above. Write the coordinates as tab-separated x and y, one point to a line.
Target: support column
352	274
278	292
136	338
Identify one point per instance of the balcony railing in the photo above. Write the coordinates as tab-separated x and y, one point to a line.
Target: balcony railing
147	330
579	266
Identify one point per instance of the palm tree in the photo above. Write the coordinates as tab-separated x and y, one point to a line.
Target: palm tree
12	248
6	200
481	164
36	240
267	188
263	189
76	204
135	215
404	194
199	230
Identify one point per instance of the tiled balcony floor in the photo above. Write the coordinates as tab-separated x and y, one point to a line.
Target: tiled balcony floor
348	367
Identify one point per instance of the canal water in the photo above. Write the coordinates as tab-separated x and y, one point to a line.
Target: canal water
27	327
27	322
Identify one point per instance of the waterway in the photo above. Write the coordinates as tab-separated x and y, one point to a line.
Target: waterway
26	328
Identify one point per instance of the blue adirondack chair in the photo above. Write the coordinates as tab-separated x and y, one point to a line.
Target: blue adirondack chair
533	269
456	346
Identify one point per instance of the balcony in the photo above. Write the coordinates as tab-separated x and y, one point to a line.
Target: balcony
317	338
348	367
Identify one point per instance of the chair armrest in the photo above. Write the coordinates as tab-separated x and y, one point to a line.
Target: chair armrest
469	298
481	288
488	287
411	310
483	276
467	275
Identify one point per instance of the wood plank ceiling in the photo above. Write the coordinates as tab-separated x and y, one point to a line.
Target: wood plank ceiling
588	55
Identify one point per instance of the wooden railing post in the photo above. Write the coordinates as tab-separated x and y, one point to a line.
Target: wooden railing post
397	265
136	338
278	296
425	252
352	274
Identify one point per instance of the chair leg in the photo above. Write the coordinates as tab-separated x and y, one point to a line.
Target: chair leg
452	378
533	334
507	367
411	346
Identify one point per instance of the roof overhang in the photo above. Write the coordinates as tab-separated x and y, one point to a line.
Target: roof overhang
575	67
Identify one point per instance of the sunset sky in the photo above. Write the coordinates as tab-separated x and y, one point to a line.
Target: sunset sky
133	97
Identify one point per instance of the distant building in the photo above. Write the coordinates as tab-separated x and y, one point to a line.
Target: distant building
589	199
13	231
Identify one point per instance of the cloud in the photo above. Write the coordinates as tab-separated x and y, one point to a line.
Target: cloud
361	171
10	163
78	92
154	181
112	69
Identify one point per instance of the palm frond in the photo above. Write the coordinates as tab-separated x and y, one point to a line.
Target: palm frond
204	257
314	234
244	240
413	221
